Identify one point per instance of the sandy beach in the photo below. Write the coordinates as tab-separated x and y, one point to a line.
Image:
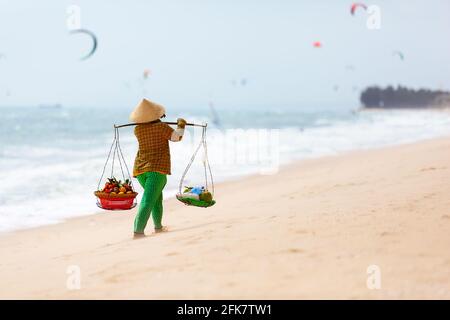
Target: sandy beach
310	231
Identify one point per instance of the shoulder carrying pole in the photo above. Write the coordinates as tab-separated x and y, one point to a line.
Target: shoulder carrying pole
173	123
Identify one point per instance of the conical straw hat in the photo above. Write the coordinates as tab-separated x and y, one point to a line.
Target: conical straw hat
147	111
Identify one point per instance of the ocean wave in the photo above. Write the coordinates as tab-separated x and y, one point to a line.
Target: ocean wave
49	182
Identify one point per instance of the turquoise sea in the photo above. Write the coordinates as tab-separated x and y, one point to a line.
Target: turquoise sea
51	158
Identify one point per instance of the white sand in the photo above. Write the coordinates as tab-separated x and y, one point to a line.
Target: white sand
310	231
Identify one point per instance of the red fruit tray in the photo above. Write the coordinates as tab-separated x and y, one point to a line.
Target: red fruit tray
116	202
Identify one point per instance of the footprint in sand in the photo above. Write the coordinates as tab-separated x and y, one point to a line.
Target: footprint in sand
63	257
432	169
295	250
107	245
194	240
119	277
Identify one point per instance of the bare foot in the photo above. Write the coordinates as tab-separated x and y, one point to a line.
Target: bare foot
138	235
162	229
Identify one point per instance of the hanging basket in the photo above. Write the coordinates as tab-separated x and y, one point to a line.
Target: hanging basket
182	196
114	200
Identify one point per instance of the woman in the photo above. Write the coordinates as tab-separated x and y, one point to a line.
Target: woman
152	163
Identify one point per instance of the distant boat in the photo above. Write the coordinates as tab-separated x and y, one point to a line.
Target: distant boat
50	106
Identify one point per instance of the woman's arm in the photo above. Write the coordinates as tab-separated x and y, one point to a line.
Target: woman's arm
177	134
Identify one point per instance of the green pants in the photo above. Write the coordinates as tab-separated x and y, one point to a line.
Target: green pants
151	202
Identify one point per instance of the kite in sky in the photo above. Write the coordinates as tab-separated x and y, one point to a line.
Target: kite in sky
94	41
399	54
355	7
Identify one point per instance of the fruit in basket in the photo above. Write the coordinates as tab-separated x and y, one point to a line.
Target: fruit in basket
116	195
199	193
205	196
114	187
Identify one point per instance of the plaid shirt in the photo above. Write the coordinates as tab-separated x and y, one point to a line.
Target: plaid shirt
154	153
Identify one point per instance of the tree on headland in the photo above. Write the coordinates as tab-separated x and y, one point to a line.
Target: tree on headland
402	97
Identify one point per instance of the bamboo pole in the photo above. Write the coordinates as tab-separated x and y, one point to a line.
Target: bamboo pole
173	123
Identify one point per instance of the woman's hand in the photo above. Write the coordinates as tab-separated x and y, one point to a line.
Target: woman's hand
181	123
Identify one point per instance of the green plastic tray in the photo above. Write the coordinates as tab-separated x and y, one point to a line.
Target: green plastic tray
196	203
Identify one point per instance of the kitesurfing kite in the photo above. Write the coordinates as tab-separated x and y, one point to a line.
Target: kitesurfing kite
355	6
317	44
242	82
94	41
399	54
214	114
146	73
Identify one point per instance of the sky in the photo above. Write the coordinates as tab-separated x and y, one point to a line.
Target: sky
196	49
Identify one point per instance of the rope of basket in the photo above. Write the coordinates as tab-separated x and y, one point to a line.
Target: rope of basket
206	166
116	151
